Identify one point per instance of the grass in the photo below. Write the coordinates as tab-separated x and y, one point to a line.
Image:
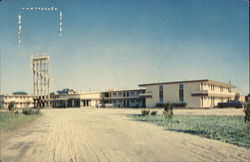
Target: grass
10	120
230	129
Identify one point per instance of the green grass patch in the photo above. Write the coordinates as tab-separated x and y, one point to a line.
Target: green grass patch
10	120
230	129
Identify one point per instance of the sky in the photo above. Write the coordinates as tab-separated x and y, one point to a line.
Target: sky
122	43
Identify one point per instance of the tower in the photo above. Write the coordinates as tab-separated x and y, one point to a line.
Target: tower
41	80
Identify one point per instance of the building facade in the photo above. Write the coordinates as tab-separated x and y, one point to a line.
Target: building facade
195	93
125	98
114	98
21	101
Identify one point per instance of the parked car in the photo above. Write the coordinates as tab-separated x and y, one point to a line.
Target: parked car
109	105
102	105
236	104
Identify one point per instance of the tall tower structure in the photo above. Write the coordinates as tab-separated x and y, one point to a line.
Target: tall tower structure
41	80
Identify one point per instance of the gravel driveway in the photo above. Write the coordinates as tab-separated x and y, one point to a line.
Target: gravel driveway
90	134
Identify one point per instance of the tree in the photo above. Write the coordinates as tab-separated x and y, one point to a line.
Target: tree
11	106
19	93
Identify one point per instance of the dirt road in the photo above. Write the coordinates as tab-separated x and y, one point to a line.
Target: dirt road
108	135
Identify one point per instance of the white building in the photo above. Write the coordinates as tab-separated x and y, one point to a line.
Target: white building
116	98
125	98
195	93
20	100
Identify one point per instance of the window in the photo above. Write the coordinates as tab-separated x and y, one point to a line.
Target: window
132	93
120	94
221	89
161	93
114	94
212	87
181	92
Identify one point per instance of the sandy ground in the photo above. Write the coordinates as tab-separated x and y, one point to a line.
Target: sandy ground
90	134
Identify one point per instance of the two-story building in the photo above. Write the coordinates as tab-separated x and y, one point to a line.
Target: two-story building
195	93
125	98
116	98
20	100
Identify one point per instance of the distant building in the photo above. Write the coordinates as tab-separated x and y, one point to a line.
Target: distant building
195	93
125	98
116	98
20	100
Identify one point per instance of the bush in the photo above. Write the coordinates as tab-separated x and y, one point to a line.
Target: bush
145	112
153	112
180	104
160	105
29	111
168	110
176	104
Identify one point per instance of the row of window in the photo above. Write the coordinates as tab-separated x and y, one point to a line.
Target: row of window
213	99
126	93
131	101
212	87
20	103
216	98
17	97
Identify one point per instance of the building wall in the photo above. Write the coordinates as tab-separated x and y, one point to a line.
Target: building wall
192	101
154	91
171	94
93	98
96	95
126	98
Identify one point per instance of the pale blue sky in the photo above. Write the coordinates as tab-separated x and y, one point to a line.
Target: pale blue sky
122	43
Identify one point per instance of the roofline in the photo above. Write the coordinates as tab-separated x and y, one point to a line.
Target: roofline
187	81
28	95
120	90
114	90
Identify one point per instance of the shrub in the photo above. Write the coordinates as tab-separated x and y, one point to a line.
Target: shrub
176	104
145	112
168	110
180	104
29	111
160	105
153	112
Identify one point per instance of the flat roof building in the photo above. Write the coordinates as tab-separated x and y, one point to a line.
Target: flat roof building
20	100
115	98
195	93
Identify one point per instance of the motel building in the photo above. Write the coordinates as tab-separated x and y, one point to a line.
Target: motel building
20	100
195	93
115	98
